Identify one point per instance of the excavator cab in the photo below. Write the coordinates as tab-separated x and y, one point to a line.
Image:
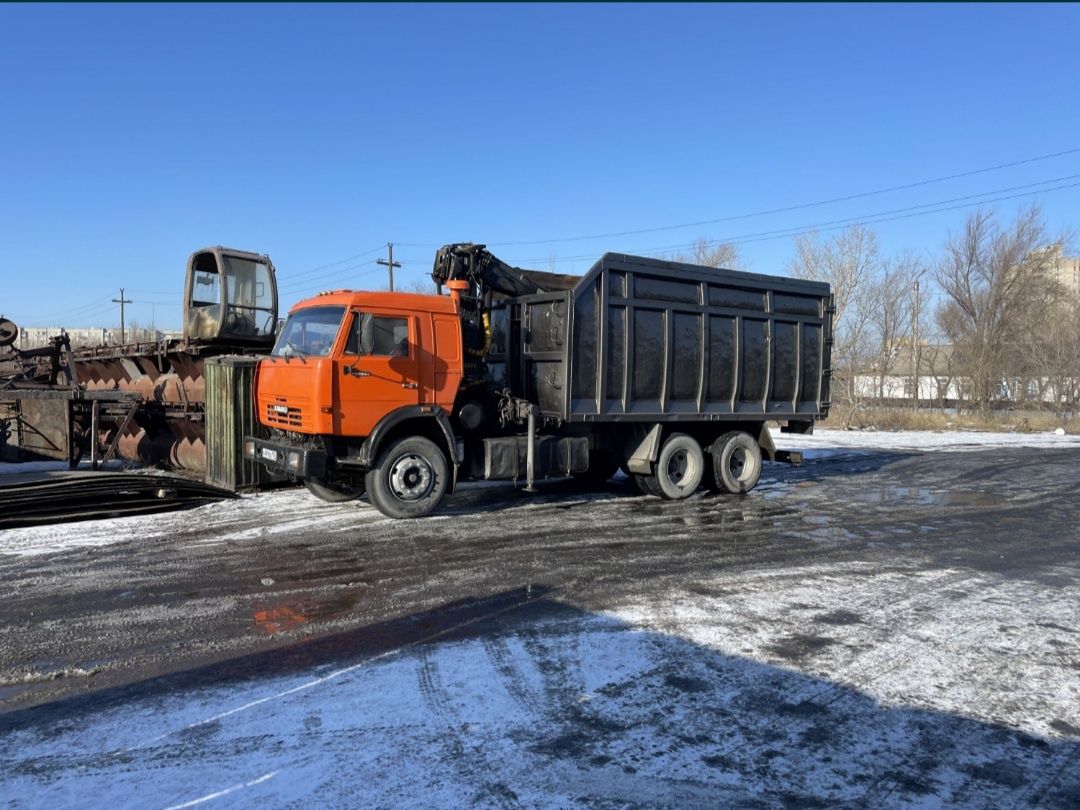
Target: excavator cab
230	296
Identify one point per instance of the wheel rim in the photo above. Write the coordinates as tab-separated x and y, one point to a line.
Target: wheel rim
739	464
411	478
680	468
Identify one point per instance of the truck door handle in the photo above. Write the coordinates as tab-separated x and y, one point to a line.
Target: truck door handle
347	370
409	385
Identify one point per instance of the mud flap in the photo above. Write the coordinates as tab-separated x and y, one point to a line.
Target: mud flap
640	461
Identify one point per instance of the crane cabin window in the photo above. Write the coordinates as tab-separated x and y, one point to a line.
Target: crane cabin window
250	297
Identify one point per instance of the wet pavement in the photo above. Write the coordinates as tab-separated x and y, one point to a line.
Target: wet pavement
872	628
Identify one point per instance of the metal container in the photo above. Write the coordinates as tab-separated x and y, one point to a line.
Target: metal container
648	340
230	415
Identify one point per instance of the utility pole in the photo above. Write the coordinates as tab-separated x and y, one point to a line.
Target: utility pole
389	263
915	349
121	301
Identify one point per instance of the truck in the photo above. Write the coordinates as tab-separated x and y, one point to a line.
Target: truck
669	371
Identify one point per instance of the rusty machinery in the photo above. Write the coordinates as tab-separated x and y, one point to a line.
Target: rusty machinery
230	307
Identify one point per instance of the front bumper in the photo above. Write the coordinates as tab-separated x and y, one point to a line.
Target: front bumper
303	462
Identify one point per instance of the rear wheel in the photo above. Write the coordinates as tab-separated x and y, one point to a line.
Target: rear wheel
736	462
409	479
679	467
332	491
647	484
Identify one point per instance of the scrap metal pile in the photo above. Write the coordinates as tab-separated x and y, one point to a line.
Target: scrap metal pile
37	501
230	307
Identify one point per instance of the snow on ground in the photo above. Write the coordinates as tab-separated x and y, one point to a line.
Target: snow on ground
880	680
824	443
245	518
264	514
685	700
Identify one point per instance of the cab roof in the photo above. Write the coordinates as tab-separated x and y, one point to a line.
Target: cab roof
387	300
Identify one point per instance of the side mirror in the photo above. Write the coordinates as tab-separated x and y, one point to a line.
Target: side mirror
367	333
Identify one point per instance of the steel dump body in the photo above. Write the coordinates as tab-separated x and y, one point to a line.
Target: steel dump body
647	340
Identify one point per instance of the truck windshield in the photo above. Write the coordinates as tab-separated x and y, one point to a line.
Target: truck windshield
309	332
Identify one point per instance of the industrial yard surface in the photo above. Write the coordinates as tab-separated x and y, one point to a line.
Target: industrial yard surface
895	623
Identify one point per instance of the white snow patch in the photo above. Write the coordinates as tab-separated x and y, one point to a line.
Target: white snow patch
681	699
829	442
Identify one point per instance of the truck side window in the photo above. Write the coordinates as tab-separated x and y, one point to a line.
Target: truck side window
352	345
391	337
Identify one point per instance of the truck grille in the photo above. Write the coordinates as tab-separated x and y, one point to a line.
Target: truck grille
283	416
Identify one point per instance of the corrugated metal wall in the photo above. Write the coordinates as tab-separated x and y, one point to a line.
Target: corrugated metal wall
230	415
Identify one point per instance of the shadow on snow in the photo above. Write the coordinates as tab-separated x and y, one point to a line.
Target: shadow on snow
513	700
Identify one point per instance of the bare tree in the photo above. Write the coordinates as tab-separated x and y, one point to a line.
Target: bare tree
711	254
890	305
1056	360
998	285
939	360
420	286
849	263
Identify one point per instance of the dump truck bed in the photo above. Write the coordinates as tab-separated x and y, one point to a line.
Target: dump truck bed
648	340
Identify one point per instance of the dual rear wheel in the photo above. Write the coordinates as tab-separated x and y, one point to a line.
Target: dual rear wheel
732	465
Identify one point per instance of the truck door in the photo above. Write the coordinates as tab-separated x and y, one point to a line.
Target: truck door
377	371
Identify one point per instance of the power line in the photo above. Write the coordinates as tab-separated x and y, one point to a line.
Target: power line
310	283
801	206
63	313
389	263
339	261
865	219
121	301
861	218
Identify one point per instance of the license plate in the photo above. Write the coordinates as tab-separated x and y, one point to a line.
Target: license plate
268	454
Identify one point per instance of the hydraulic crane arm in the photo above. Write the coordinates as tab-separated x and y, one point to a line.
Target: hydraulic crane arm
487	273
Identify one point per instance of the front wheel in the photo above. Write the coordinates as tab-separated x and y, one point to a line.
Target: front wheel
332	491
409	478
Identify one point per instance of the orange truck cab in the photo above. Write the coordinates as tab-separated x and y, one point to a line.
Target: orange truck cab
353	372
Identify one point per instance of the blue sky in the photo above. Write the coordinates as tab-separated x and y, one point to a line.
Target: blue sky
132	135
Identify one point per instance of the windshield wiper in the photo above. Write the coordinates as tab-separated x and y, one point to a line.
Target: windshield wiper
296	349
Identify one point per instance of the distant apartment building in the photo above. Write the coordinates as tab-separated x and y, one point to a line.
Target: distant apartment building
1067	271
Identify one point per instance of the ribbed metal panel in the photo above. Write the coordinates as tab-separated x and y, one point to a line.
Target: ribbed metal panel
230	415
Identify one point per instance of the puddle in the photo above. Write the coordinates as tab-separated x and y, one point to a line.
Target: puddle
924	496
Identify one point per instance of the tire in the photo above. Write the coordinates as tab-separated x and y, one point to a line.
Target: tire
680	467
602	465
647	484
736	462
409	478
331	491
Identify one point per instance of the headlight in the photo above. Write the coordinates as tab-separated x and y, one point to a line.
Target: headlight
293	461
249	448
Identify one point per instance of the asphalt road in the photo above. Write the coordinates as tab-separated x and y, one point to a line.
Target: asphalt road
872	628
